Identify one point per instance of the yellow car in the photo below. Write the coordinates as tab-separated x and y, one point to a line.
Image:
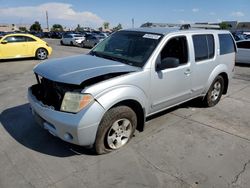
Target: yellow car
23	45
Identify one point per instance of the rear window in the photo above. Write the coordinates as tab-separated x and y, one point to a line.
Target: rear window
226	44
203	47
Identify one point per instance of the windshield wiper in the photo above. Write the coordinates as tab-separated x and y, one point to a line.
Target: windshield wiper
97	54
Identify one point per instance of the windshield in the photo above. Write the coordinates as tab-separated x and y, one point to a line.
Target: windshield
130	47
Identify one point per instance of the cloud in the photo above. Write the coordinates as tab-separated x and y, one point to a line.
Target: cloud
237	14
58	13
212	13
178	10
195	10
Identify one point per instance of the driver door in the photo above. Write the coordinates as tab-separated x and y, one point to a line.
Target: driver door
15	47
171	85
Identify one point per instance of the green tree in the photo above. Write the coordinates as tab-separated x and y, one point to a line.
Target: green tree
106	25
118	27
36	26
224	25
57	27
23	29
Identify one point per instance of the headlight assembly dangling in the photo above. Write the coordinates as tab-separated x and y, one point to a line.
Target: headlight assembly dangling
74	102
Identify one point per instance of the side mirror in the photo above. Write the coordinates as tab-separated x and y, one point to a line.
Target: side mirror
168	62
4	42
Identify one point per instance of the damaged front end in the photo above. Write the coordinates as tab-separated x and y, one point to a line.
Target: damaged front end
51	93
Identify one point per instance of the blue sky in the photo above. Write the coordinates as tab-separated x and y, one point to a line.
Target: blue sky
94	12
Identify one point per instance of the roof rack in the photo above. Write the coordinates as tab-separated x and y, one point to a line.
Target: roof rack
181	26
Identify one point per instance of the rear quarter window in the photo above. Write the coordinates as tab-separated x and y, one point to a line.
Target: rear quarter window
226	44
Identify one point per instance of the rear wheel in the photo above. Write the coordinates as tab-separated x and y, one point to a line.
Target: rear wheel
41	53
215	92
61	42
71	43
115	130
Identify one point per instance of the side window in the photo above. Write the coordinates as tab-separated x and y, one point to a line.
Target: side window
176	48
226	44
203	47
29	39
15	39
244	44
10	39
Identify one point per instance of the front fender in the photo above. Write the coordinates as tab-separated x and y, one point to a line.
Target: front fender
221	68
114	95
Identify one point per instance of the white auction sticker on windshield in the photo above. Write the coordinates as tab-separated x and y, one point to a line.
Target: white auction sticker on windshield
151	36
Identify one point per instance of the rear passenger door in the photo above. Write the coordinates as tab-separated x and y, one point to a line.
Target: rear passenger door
171	85
203	61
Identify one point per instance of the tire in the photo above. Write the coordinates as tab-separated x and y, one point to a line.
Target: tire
41	53
82	45
71	43
214	93
61	42
115	130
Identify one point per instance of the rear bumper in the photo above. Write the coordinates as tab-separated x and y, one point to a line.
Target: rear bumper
79	129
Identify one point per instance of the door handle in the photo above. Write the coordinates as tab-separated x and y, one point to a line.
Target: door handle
187	72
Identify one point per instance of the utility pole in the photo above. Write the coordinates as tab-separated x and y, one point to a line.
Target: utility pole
47	20
133	22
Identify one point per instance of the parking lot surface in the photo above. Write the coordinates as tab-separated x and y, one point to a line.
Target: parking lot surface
187	146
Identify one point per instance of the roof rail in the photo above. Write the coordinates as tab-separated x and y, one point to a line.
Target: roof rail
182	26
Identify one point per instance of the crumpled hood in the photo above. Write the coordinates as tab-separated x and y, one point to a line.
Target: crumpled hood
76	69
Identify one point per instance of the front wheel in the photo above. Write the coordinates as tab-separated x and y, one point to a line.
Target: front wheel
41	54
215	92
115	130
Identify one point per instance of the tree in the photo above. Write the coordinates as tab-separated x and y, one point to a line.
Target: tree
36	26
57	27
106	25
224	25
23	29
118	27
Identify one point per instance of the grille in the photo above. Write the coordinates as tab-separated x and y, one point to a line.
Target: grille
51	93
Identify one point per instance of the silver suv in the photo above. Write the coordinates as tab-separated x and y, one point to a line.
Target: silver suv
99	99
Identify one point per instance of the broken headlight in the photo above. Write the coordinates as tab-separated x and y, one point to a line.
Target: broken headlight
74	102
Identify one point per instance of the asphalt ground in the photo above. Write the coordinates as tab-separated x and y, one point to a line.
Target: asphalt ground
186	146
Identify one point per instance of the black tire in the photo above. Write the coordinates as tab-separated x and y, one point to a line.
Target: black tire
108	138
61	42
71	43
215	91
41	54
82	45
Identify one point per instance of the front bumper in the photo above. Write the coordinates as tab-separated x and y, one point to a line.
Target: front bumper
79	129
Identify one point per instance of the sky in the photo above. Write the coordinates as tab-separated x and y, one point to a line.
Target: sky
92	13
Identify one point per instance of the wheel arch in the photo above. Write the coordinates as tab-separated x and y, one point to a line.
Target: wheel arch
40	47
219	70
137	108
130	96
